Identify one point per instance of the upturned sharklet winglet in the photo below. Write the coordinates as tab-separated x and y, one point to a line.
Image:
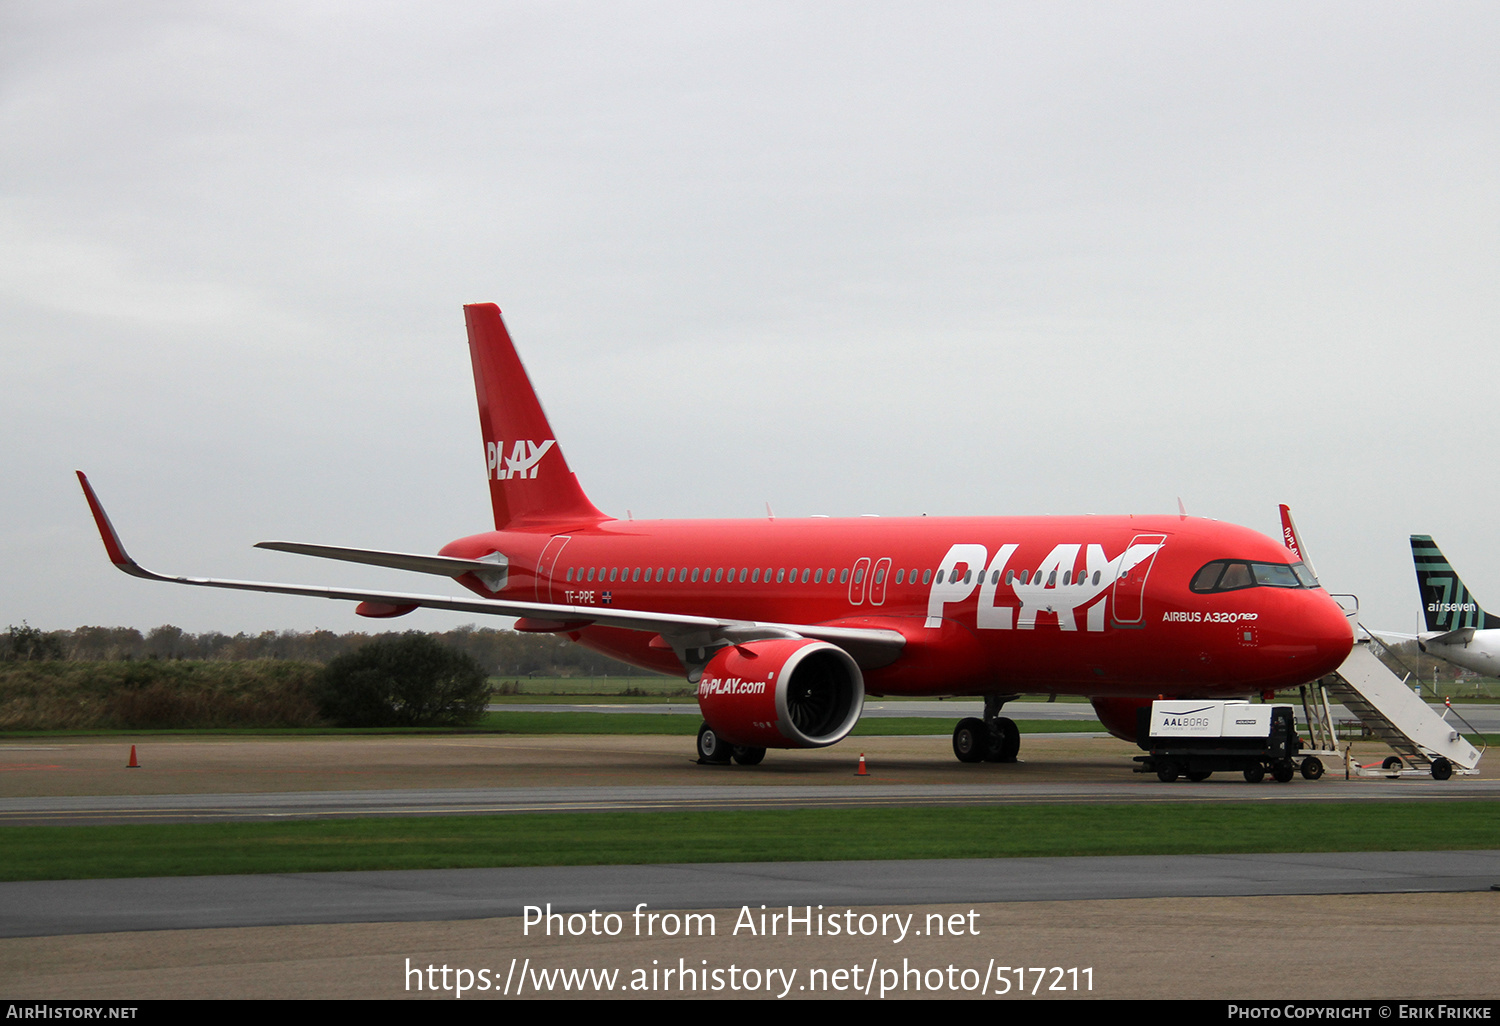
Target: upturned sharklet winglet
530	483
1293	540
107	534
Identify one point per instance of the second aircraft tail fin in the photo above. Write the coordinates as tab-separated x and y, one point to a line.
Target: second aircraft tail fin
1446	604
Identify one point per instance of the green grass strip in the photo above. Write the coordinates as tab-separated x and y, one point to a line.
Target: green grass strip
632	838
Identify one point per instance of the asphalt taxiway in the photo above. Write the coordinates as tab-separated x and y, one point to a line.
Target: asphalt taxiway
186	779
45	908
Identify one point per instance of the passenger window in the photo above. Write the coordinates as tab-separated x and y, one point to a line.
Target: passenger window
818	576
719	575
755	576
1052	579
781	575
1067	577
844	576
880	576
927	576
695	575
900	575
859	576
614	573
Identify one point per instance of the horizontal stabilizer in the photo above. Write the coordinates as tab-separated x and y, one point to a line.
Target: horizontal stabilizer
490	571
1462	636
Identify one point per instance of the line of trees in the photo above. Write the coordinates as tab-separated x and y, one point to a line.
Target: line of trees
502	653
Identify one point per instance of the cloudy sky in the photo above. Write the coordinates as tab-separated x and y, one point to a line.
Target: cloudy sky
958	258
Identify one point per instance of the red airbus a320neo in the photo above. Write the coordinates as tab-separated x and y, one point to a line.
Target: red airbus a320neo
786	625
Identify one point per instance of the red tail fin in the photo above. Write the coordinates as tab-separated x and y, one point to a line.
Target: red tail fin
530	483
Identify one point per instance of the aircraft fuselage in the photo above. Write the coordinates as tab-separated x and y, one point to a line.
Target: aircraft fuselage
1069	605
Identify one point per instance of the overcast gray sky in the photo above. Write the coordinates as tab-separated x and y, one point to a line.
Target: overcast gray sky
955	258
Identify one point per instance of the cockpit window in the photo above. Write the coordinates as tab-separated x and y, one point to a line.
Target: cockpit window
1205	579
1305	576
1275	575
1233	574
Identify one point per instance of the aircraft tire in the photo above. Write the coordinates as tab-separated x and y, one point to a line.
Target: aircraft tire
1283	771
712	751
1255	774
1312	768
1012	747
971	739
1004	740
748	756
1442	769
1167	771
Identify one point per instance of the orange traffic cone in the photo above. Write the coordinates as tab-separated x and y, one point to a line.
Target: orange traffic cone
861	772
132	764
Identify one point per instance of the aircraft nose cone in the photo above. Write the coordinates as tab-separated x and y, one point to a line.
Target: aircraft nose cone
1331	634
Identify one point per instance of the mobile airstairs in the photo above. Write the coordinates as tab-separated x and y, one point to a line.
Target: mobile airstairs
1424	741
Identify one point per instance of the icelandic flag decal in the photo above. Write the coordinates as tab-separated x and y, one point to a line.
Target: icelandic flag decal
607	597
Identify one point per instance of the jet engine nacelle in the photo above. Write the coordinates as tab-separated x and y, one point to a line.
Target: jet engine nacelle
781	693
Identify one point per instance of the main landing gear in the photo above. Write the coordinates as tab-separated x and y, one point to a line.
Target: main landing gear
995	738
715	751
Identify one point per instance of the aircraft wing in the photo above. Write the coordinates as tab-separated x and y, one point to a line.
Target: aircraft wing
870	647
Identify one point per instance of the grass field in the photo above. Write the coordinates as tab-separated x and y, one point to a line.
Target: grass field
59	853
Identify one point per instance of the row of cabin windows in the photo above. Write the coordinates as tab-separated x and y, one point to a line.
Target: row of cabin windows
712	574
792	575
